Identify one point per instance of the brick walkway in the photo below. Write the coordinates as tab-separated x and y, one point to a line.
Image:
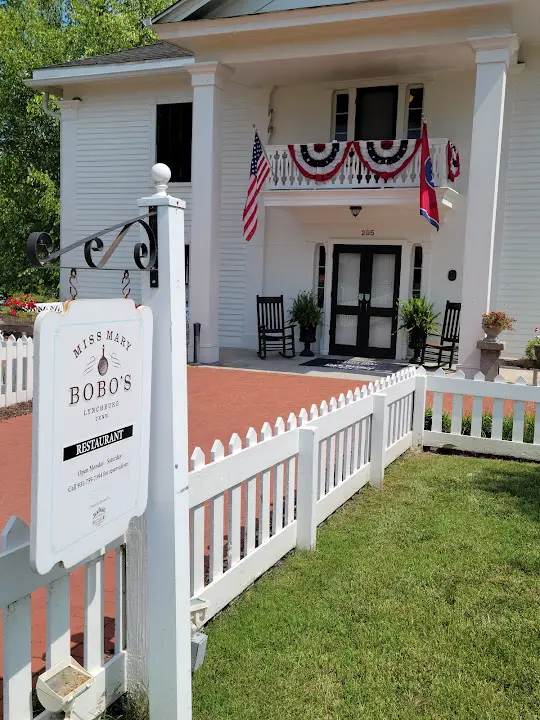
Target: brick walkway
220	402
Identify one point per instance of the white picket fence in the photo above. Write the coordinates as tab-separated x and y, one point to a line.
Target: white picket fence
508	401
17	584
248	508
252	506
16	370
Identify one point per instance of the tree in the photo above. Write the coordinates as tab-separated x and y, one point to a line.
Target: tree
36	33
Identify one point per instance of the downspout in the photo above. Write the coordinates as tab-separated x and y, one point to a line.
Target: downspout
46	109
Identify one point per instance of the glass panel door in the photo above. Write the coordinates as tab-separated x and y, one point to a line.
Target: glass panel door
365	286
346	297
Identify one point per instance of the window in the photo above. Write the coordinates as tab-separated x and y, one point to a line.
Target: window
417	272
173	139
376	113
321	274
415	105
342	117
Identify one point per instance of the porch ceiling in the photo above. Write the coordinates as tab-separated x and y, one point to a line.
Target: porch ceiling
405	61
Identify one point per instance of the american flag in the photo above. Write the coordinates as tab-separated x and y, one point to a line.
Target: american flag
259	171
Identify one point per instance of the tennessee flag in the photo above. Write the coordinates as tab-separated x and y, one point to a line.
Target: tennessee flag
428	198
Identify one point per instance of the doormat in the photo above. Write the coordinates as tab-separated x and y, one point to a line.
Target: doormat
356	365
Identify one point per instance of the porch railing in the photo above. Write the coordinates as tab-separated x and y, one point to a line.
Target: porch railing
287	176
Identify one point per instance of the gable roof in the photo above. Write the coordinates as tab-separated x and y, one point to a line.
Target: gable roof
156	51
201	9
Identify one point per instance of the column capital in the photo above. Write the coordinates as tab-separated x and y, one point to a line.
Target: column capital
209	73
496	49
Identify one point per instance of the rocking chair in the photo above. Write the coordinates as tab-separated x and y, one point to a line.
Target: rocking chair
449	337
272	332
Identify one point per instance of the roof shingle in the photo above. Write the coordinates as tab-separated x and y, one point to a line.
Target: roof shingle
157	51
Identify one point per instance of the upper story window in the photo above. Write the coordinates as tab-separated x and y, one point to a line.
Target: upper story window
341	117
173	139
415	107
384	112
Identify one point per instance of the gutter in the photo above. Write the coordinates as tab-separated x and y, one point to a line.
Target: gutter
46	109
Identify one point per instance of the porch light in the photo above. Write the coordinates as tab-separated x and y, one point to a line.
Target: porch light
355	210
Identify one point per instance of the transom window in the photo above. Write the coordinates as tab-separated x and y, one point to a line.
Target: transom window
373	113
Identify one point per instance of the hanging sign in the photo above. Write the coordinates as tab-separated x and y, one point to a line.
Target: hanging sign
91	424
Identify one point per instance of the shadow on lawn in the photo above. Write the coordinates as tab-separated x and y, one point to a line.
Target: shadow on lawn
520	481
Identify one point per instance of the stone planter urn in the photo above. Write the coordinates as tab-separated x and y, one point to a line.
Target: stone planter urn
417	340
308	335
492	333
537	353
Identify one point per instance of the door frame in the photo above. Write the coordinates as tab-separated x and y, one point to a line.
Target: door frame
407	250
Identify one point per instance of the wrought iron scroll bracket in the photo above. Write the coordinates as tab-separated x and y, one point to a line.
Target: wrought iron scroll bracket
40	250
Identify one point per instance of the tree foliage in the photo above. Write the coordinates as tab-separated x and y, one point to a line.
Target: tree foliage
33	34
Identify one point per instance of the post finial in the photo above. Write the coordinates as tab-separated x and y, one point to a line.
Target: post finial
161	175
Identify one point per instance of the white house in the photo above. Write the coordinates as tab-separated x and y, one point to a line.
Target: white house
316	71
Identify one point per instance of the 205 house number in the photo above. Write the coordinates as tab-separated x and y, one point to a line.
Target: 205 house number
369	233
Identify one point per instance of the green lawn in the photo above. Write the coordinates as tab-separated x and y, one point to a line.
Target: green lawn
422	601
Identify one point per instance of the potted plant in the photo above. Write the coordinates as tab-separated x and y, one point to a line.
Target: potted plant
493	323
532	351
306	313
18	314
418	317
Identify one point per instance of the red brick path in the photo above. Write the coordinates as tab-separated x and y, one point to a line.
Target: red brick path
220	402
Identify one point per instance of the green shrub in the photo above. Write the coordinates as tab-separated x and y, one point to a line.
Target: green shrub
487	422
529	350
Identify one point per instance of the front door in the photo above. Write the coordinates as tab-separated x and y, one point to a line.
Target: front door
365	290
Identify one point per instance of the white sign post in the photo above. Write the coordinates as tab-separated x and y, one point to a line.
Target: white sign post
92	379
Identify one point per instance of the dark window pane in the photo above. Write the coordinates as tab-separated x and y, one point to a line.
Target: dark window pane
342	103
321	275
416	98
376	113
417	279
341	125
416	105
173	139
418	256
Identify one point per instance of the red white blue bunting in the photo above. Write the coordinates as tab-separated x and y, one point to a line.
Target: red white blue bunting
386	158
454	162
320	161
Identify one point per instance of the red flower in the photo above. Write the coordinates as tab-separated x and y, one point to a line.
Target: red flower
13	312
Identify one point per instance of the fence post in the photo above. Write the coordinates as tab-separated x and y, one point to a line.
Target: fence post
167	620
379	435
306	494
419	412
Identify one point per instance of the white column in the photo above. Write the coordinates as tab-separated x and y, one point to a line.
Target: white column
493	57
167	515
207	82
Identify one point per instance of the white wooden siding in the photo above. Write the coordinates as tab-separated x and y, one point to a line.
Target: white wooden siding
110	170
518	286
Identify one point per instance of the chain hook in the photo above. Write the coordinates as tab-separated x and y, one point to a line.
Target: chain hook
72	283
126	282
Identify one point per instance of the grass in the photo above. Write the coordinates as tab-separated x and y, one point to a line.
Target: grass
420	602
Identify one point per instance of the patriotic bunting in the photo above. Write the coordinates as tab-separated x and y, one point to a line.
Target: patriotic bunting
386	158
454	162
320	161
